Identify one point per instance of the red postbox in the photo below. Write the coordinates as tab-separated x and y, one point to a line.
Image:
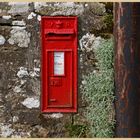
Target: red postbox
59	64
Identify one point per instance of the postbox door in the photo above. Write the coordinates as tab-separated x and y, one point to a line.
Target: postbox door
59	78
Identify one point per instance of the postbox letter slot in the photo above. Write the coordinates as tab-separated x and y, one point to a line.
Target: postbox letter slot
57	35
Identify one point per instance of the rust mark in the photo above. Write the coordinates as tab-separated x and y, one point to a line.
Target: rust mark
121	42
132	51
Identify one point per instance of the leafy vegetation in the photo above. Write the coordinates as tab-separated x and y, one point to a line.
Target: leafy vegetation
77	130
99	92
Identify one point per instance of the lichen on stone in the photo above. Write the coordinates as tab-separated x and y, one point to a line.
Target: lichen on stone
89	42
17	89
68	8
6	130
39	18
35	72
18	7
53	115
6	17
39	5
31	102
22	72
2	40
15	119
20	37
18	23
31	15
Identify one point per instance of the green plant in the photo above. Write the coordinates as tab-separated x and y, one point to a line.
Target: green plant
76	130
108	20
99	92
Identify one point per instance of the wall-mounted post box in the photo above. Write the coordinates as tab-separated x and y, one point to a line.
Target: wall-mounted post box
59	64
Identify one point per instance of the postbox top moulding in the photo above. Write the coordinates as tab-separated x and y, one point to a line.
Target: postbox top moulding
59	17
64	23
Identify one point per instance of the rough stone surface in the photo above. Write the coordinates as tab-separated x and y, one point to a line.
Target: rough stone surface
18	23
20	66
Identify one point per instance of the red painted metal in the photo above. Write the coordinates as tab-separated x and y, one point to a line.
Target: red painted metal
59	64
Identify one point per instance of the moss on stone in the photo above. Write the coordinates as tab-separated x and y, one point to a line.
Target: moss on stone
107	20
45	10
4	6
107	28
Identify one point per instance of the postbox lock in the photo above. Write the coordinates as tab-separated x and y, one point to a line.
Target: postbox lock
59	64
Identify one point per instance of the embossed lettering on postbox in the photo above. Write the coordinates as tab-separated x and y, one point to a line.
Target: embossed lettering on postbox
59	64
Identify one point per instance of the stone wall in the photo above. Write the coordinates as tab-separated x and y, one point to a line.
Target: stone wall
20	46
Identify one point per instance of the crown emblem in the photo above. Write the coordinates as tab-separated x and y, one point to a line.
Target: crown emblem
59	24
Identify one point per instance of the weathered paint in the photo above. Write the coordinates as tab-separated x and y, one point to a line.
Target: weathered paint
127	69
